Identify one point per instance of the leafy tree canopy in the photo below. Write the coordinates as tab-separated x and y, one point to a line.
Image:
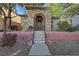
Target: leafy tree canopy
67	10
55	9
72	10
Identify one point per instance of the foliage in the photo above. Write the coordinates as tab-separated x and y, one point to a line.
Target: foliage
67	10
7	7
55	9
5	10
72	10
63	25
1	30
71	29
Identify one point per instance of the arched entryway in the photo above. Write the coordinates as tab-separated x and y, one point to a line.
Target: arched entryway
39	22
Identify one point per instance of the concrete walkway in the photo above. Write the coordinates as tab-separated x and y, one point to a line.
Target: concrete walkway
39	48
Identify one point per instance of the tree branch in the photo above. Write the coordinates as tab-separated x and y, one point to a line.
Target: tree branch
2	11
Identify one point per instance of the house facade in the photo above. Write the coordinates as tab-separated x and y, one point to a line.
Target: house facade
38	18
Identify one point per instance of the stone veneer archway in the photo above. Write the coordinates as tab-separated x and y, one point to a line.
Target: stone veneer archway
32	14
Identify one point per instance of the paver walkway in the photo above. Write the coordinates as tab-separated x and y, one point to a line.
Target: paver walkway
39	48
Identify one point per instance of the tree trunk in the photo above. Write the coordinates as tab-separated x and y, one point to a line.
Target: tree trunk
51	24
4	21
9	15
71	21
4	25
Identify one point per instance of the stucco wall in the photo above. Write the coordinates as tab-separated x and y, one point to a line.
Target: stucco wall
1	22
16	18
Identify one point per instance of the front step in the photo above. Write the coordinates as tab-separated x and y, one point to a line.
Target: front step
39	42
39	36
39	48
37	39
39	33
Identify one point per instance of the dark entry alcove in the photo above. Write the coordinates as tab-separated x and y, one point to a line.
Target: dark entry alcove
39	23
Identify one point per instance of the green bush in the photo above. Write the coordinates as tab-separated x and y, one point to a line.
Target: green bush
63	25
1	30
71	29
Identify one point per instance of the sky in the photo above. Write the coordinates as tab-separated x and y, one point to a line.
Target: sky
19	10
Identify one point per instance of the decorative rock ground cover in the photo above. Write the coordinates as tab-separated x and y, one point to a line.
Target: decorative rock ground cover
63	43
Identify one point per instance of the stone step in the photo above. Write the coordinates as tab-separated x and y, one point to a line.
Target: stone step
39	42
39	36
39	50
39	33
42	39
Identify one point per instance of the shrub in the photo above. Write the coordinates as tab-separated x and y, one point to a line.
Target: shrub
1	30
71	29
63	25
8	40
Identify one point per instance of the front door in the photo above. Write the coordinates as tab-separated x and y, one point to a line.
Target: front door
39	23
